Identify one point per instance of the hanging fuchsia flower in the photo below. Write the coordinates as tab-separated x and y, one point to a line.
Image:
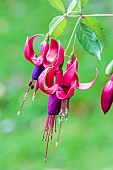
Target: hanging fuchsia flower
107	95
64	86
46	58
68	83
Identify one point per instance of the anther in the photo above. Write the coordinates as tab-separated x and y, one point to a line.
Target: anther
32	86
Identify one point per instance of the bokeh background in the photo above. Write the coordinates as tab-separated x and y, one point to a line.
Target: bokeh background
86	141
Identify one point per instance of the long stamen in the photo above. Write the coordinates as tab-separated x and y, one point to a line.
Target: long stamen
62	110
55	124
34	94
25	97
59	131
44	137
67	109
47	147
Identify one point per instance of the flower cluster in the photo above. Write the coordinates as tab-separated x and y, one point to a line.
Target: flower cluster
49	77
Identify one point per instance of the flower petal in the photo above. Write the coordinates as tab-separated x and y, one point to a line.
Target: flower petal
60	58
28	49
69	63
41	59
42	82
53	50
71	71
54	105
68	93
51	73
37	71
85	86
107	96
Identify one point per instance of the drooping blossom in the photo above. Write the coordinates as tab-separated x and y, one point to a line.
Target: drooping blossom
64	86
47	55
107	95
46	58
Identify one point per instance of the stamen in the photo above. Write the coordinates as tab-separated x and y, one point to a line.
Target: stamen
55	124
67	109
47	147
34	94
59	131
51	134
62	110
25	97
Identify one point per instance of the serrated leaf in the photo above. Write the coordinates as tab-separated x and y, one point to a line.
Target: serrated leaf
58	4
57	26
88	40
95	26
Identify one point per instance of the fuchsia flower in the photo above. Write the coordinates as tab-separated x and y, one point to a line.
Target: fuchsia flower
107	95
46	58
60	88
49	78
65	85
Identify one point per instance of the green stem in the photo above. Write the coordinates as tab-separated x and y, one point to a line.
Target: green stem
74	42
91	15
72	34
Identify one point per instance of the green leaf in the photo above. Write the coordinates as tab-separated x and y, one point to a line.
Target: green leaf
83	3
88	40
76	5
57	26
71	6
58	4
95	26
109	69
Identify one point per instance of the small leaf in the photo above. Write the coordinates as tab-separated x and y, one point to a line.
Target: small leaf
57	26
71	6
88	40
95	26
109	69
83	3
76	5
58	4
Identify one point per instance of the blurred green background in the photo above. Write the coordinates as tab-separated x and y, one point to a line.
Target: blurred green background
86	141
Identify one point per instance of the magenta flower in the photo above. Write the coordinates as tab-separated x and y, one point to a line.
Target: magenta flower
53	82
46	58
65	85
107	95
